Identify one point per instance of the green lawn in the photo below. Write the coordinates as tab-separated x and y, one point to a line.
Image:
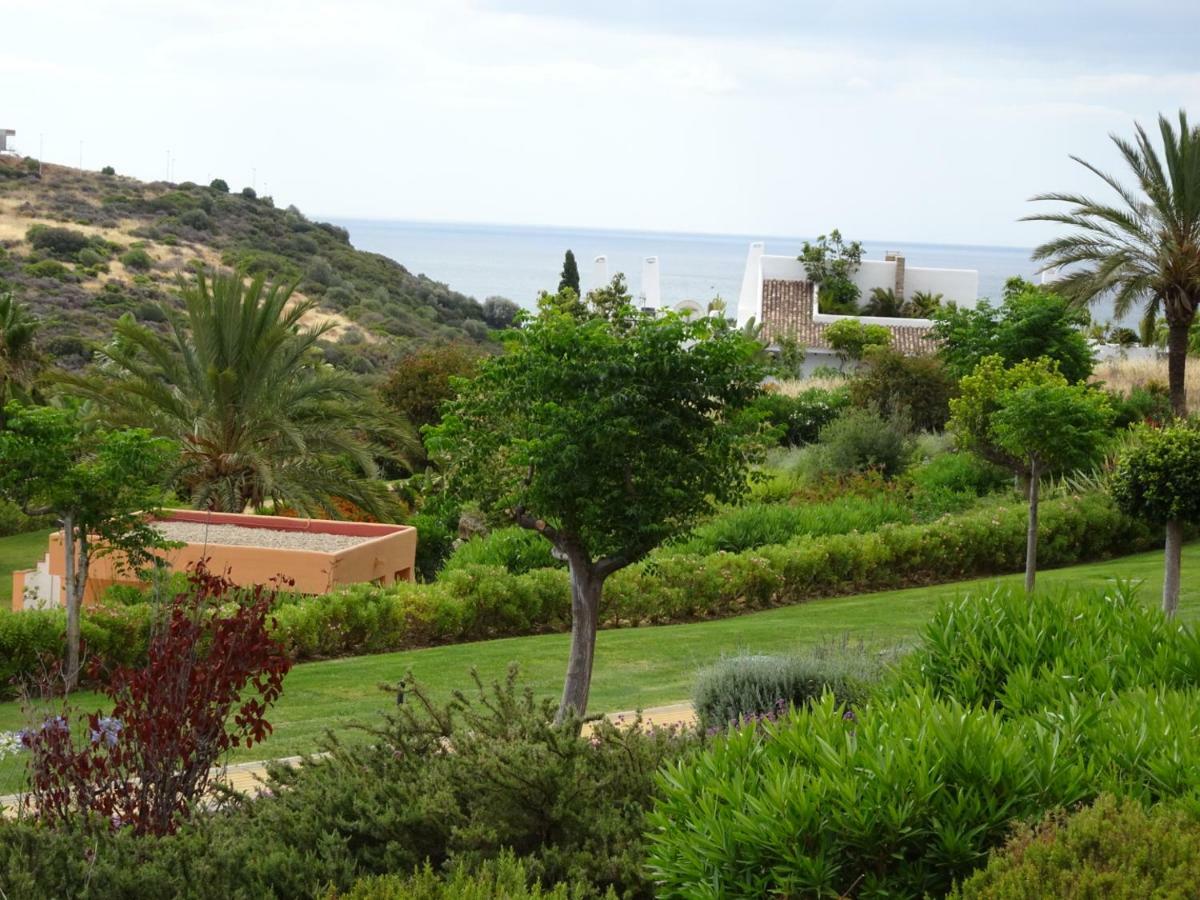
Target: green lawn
635	667
20	551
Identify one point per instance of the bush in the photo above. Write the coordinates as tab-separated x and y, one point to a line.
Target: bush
108	170
504	878
851	338
88	257
917	388
800	418
137	259
961	472
249	193
14	521
420	382
861	439
48	268
749	686
1022	653
760	524
1149	403
1115	849
196	218
516	550
220	185
63	243
897	799
500	312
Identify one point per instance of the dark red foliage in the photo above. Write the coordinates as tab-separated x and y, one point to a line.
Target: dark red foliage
212	673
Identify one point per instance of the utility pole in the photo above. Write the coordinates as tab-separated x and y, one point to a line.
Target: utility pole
41	152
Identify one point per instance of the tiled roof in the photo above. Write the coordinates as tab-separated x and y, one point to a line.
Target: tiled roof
787	309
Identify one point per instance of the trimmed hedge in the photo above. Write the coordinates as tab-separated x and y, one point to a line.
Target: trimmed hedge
482	602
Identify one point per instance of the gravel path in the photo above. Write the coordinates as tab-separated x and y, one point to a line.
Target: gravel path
241	536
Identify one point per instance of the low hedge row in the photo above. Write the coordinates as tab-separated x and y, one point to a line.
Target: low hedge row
480	602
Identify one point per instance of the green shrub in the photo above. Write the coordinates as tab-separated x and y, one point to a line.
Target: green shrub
63	243
1115	849
220	185
249	193
516	550
851	338
961	472
748	686
800	418
197	219
1023	653
108	170
504	878
861	439
137	259
421	381
759	524
14	521
89	256
48	268
1148	403
895	800
918	388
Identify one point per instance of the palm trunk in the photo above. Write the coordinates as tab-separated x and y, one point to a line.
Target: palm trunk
586	588
1177	347
1171	565
1031	534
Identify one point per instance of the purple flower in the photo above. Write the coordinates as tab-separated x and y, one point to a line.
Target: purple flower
849	716
108	731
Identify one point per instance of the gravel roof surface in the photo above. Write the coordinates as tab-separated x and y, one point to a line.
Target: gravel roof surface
241	536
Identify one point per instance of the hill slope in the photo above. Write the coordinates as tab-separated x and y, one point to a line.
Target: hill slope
82	248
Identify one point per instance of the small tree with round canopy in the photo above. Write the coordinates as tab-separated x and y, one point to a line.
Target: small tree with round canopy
1157	478
606	433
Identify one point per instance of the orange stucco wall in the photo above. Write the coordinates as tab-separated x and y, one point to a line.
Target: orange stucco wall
386	555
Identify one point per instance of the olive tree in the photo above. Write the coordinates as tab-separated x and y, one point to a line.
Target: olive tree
1157	478
606	430
102	486
1050	426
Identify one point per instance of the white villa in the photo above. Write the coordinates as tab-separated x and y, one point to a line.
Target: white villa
777	293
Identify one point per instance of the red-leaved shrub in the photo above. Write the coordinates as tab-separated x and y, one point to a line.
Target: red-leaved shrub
212	672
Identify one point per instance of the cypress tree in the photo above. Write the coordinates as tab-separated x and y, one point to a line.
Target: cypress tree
570	273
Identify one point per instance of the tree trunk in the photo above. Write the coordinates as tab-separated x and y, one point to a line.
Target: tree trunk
70	584
1031	535
1177	347
586	588
1171	565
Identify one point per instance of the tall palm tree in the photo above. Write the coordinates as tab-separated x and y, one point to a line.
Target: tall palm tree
240	385
1146	248
19	359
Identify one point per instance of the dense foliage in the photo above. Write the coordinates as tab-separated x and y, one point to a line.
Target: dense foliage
918	388
800	417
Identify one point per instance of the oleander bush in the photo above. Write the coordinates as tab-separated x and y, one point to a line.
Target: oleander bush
516	550
1022	654
748	686
1115	849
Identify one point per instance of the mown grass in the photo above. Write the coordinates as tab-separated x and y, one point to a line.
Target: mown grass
635	667
19	551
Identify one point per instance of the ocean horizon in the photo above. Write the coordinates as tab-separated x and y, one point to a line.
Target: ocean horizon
519	261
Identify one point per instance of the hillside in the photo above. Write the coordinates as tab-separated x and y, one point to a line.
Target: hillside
127	242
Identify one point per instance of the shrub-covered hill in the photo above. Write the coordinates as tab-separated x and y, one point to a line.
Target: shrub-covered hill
82	248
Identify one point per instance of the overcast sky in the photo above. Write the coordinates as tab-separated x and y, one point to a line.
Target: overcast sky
915	121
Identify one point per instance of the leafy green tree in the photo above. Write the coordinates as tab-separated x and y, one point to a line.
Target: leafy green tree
979	398
240	385
1157	478
915	388
1030	323
421	381
1051	427
851	338
100	485
1143	250
19	359
606	432
570	274
830	263
500	312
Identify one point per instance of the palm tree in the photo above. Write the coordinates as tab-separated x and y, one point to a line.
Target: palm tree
19	360
1146	248
925	303
884	302
240	385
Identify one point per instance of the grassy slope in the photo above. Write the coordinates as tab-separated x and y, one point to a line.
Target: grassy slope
20	551
637	666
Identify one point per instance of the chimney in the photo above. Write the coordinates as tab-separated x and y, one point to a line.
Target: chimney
898	258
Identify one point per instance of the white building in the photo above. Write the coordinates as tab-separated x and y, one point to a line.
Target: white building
776	292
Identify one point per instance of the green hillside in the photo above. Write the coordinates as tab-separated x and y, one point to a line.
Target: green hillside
83	248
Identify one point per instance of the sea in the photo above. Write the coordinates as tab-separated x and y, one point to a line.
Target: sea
519	261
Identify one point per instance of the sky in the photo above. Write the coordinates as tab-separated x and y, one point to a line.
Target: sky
922	121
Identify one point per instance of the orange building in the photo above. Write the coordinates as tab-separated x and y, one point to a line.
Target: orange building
318	555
